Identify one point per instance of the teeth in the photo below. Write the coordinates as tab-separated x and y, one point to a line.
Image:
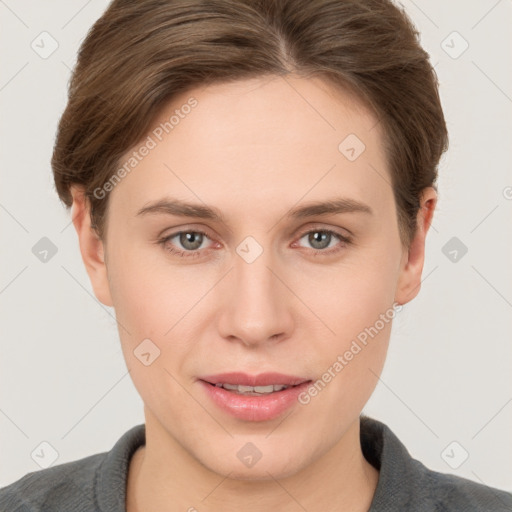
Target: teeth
252	390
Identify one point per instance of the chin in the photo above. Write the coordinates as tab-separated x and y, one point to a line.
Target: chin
259	471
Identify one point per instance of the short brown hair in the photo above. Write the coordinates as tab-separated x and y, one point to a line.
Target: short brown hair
140	54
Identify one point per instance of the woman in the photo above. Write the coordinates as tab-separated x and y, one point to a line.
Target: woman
252	183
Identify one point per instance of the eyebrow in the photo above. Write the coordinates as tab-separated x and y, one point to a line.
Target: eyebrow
173	206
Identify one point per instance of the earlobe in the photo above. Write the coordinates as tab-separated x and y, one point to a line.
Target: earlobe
411	267
91	246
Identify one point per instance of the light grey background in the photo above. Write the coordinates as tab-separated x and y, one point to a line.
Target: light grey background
63	379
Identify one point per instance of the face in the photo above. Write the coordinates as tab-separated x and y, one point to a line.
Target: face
260	288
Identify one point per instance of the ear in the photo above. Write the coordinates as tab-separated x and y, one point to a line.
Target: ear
91	246
411	267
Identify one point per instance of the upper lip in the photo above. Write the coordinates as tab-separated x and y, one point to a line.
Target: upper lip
263	379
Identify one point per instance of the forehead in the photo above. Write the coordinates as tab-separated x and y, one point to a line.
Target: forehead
262	139
272	111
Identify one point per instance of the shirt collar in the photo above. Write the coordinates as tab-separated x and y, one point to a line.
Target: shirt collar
112	474
397	469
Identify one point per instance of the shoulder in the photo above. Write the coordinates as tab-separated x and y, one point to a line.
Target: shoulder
450	492
405	484
65	486
96	482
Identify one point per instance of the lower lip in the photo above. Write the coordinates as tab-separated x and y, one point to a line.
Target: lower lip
254	408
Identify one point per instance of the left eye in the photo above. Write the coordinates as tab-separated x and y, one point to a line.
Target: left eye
320	240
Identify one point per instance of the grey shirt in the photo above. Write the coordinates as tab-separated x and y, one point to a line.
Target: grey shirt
98	483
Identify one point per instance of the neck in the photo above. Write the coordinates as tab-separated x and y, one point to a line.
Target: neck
163	476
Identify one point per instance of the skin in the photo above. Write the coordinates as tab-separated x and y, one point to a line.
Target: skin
254	149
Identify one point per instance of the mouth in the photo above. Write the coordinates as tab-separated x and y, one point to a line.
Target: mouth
254	398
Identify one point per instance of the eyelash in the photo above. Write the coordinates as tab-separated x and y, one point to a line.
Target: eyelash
345	241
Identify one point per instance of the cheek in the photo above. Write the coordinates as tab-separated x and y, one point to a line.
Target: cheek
349	366
158	301
148	295
358	308
351	296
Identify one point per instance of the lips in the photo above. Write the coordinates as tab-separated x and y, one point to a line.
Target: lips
249	407
263	379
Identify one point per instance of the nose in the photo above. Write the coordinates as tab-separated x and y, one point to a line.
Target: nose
255	304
